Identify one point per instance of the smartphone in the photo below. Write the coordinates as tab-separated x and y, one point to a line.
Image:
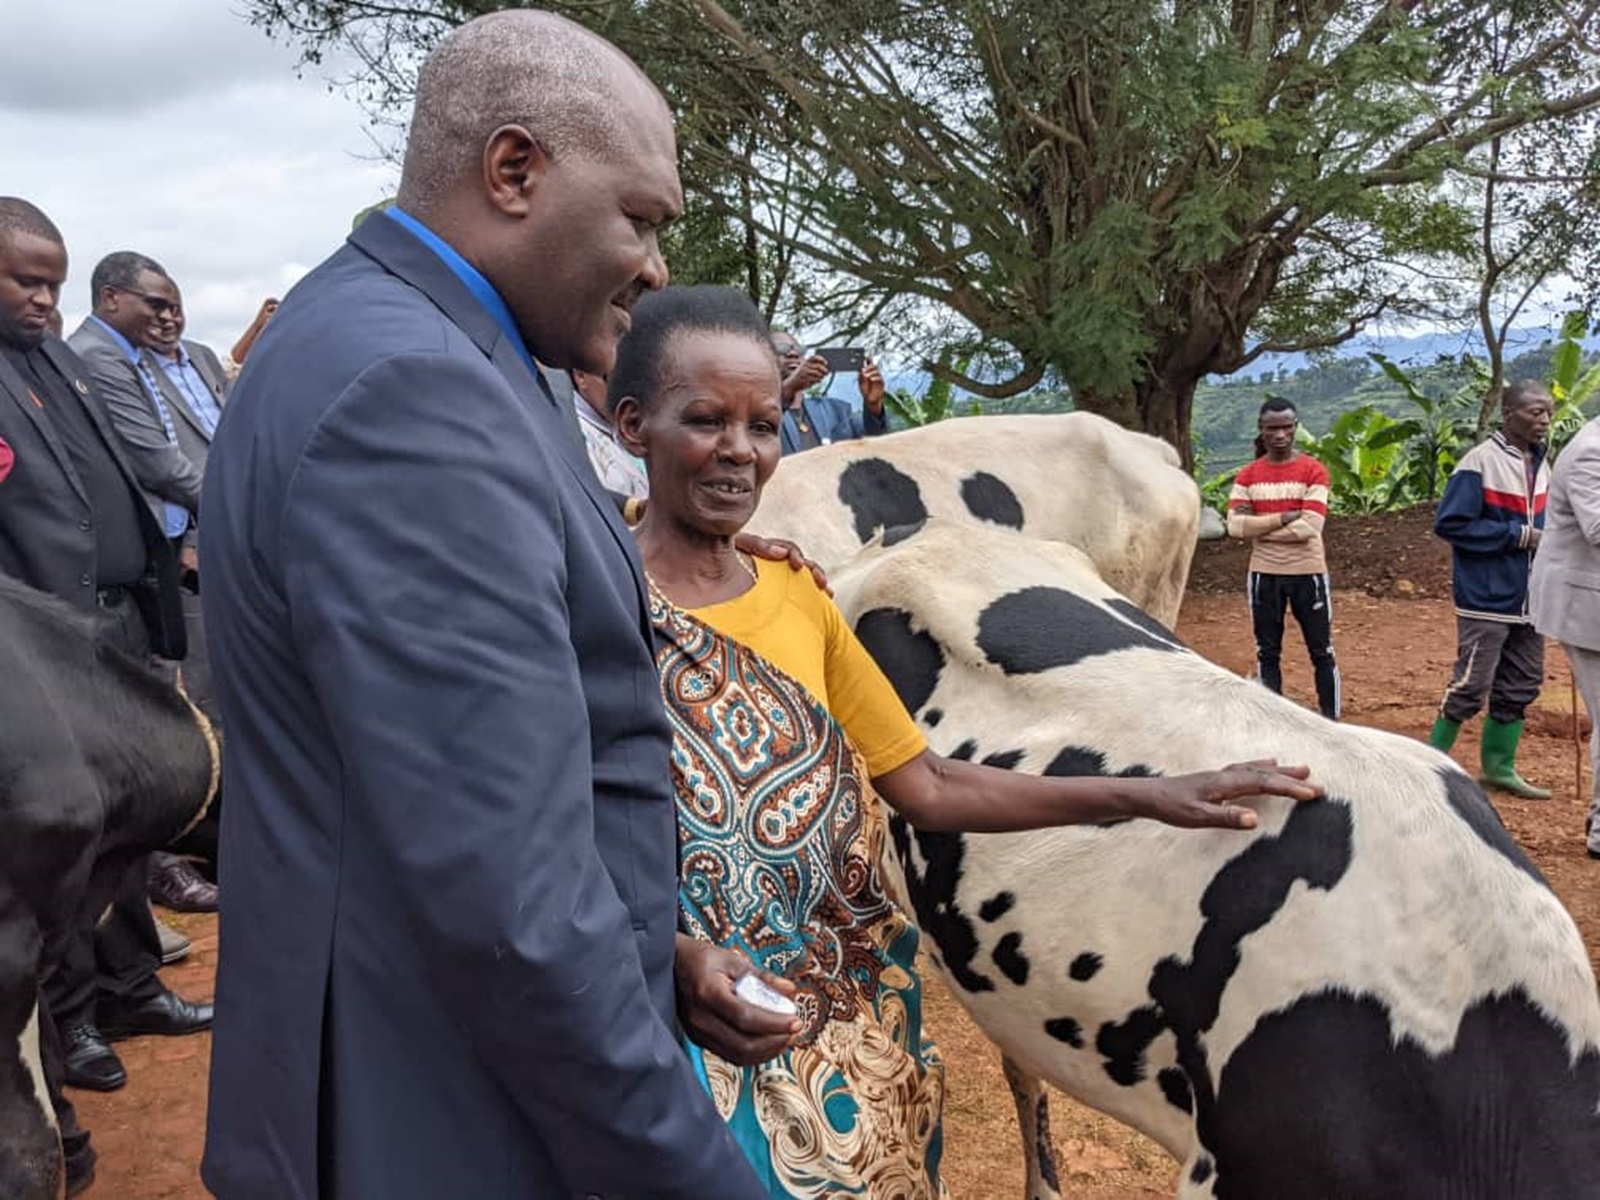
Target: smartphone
846	360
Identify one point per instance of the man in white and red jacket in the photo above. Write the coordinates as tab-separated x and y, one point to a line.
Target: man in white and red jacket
1492	514
1280	502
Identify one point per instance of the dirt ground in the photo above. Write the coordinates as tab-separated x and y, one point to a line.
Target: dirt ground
1393	631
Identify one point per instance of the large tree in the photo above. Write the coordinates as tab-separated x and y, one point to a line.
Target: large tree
1122	196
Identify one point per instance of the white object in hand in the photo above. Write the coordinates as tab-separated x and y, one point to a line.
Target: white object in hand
752	989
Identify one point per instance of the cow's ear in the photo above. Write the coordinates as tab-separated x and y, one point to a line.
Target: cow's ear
628	417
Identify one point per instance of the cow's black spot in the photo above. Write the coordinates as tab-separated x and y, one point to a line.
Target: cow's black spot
1473	807
879	496
989	499
1065	1029
1503	1112
1143	619
1123	1043
1086	966
912	661
932	717
1314	847
997	906
1004	759
1202	1170
1008	956
932	890
1080	760
1174	1086
1038	628
965	751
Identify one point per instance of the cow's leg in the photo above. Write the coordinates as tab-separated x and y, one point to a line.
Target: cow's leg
1033	1119
31	1165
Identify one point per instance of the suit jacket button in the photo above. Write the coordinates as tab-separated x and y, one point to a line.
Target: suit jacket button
85	581
85	526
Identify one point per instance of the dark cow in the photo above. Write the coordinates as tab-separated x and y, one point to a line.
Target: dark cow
100	763
1371	996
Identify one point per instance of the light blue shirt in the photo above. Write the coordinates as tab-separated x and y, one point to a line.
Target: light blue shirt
482	290
175	519
188	380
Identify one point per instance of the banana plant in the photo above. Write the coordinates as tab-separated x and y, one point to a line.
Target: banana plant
1572	385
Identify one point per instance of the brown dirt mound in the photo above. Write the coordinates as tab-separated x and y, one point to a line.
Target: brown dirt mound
1386	554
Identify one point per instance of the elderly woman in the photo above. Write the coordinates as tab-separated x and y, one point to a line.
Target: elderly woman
784	729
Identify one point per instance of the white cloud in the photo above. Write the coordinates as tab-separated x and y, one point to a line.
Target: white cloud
188	137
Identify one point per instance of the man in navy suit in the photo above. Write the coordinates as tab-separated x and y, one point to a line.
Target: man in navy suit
810	421
449	853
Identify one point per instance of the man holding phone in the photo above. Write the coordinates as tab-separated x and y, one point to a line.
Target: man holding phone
811	421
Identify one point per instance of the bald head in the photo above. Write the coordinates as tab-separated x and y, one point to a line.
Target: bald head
572	90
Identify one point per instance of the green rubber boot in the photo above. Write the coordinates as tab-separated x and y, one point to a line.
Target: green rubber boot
1444	733
1499	758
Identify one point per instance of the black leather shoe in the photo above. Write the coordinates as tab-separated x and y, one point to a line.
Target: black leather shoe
165	1013
90	1063
176	884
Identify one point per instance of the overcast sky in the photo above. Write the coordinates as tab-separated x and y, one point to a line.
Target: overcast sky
175	128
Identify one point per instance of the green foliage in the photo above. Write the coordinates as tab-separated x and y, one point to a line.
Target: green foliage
937	402
1120	195
1574	386
1362	450
1435	436
1215	489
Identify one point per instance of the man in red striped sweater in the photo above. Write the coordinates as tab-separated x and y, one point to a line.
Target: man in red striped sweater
1280	502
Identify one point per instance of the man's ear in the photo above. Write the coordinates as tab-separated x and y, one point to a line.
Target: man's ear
513	163
628	417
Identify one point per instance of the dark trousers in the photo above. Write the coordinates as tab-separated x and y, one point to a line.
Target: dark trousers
75	1147
120	955
1498	661
1307	597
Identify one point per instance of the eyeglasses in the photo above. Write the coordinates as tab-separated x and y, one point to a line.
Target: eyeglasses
160	306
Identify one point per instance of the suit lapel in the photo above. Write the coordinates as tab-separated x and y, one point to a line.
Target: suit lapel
15	386
400	253
208	369
67	363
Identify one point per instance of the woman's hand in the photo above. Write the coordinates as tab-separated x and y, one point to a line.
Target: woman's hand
717	1019
1201	801
780	550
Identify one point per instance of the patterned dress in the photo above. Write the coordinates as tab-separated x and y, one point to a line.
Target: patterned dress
779	843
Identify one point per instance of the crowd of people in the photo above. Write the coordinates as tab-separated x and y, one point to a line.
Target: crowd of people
1510	590
548	857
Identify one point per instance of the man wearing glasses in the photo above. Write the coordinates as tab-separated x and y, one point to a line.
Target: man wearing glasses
106	986
132	296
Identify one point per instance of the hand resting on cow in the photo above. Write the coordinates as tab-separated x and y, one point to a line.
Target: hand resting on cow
783	728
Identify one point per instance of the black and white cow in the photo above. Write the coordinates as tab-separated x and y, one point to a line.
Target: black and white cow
100	762
1372	996
1120	497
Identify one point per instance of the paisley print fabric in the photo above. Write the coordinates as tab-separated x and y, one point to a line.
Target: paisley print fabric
779	841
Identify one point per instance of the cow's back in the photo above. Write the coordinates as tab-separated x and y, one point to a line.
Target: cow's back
1374	995
1120	497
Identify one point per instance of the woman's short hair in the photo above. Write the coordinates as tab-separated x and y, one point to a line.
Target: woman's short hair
659	317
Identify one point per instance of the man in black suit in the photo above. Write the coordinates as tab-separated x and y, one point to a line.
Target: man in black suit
73	523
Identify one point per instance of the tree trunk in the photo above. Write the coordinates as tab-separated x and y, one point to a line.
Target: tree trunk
1160	406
